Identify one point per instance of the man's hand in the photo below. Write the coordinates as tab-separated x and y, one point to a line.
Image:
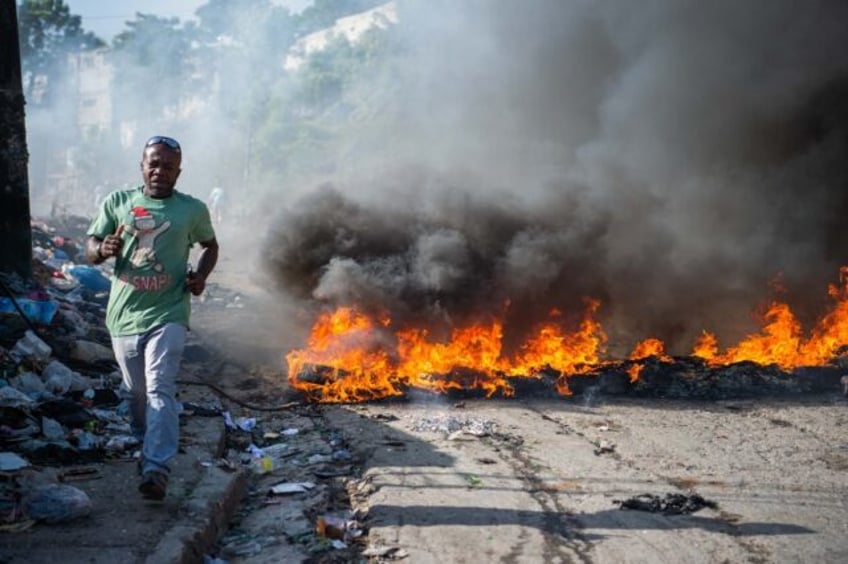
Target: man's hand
111	245
195	283
97	251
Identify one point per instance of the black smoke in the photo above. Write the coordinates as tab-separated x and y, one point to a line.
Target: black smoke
668	158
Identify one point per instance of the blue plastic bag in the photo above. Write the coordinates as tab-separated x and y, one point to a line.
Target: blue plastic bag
90	277
56	503
39	311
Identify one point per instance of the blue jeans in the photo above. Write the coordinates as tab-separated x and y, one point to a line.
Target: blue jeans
149	364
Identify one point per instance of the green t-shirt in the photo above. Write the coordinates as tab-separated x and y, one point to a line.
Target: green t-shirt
148	289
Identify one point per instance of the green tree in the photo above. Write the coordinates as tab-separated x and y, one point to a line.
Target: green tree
48	33
342	100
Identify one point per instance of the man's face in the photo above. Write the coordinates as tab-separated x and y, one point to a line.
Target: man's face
160	168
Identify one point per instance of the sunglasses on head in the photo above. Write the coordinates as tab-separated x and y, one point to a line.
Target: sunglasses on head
161	139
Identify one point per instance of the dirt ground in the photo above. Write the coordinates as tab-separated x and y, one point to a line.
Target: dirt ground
544	479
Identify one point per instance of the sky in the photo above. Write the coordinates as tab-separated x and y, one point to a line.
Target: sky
106	19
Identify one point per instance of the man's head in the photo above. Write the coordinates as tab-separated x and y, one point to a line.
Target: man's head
160	166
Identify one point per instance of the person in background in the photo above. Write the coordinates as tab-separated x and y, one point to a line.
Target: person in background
216	203
149	231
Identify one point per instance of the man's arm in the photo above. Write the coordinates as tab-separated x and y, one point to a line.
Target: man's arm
196	281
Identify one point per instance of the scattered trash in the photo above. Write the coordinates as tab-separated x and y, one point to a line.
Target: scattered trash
384	417
246	423
121	443
246	548
455	426
337	528
57	377
52	429
88	276
38	311
66	411
342	455
227	465
200	410
13	397
394	443
243	423
277	450
333	472
670	504
30	346
262	463
56	503
89	351
388	552
473	481
30	384
319	459
84	473
291	488
16	424
11	462
604	447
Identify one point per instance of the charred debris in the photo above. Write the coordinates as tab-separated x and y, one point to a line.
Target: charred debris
680	378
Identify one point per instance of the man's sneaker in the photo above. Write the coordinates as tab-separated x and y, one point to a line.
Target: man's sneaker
153	485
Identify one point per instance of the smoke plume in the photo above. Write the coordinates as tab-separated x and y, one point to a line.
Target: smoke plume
668	158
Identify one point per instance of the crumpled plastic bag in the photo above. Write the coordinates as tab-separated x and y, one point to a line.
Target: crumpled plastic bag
56	503
60	379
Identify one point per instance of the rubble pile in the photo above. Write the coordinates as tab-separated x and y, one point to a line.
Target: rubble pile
693	378
59	399
672	378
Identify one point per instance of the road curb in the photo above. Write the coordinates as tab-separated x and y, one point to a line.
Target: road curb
209	510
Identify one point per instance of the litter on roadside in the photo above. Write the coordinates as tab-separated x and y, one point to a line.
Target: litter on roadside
670	504
286	488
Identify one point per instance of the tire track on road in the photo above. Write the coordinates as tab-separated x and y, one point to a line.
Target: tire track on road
756	553
563	541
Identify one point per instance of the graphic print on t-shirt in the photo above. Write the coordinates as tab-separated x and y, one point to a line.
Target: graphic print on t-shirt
143	228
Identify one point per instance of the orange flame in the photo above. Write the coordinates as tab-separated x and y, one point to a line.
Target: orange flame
645	349
357	357
706	347
356	365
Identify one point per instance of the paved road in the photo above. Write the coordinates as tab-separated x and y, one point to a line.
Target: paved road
541	485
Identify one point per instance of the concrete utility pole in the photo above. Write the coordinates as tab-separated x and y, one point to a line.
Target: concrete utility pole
15	234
